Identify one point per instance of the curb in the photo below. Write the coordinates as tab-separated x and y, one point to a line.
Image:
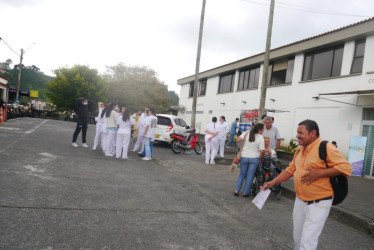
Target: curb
338	213
343	215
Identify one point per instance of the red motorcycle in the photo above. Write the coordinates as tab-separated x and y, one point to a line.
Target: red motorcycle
180	142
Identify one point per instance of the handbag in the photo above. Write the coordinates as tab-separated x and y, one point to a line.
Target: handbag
236	161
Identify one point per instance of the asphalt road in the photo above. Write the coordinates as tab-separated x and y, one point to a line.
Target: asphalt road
54	196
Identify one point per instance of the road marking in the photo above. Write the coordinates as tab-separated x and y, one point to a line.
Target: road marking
36	127
26	133
10	128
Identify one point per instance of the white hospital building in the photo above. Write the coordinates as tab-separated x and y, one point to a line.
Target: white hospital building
328	78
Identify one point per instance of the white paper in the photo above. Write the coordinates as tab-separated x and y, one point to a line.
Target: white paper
260	198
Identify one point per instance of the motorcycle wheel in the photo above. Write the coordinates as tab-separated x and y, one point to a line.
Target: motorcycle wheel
175	148
198	148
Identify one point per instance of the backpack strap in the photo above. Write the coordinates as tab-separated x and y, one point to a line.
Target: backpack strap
322	151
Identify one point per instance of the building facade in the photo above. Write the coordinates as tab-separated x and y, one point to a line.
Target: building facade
328	78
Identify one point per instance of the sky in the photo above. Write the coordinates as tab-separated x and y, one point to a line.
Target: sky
161	34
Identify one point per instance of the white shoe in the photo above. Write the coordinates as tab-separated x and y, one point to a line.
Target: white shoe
93	148
133	150
140	152
108	154
207	162
85	145
146	158
212	163
75	145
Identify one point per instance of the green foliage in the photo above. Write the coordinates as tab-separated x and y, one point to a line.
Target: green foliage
137	87
174	97
292	146
73	83
31	79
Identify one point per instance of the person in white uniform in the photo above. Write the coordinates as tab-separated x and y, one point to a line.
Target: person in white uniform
104	131
211	143
125	122
149	133
111	126
223	129
140	132
99	126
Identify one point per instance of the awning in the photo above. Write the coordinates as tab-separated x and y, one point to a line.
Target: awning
364	97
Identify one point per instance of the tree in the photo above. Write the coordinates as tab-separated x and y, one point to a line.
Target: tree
137	87
6	65
174	97
73	83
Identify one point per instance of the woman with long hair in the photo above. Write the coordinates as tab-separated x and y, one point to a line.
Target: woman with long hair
125	122
111	126
253	150
211	142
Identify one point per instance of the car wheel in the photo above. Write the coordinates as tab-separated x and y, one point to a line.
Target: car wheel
199	148
175	147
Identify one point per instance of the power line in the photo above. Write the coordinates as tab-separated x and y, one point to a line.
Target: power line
1	39
304	9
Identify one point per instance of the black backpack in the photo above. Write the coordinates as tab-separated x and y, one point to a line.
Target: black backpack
339	183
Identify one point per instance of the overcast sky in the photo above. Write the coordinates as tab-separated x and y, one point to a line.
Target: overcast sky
160	34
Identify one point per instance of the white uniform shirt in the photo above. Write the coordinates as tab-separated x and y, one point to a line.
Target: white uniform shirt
223	129
151	122
213	128
125	127
112	120
140	124
252	149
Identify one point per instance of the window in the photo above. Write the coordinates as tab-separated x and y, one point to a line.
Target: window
190	93
226	83
280	72
368	114
323	63
180	122
161	120
202	87
358	58
248	78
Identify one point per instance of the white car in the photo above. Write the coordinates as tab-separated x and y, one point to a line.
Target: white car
167	124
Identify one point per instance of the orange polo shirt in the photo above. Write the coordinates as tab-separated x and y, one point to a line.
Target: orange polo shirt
309	158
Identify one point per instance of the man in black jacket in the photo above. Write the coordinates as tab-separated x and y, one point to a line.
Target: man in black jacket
82	121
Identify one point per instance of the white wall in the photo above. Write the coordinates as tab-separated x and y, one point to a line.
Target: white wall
338	118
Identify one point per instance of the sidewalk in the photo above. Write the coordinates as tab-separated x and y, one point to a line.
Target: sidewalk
355	211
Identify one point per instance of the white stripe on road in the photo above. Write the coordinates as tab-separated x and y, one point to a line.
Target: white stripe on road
36	127
26	133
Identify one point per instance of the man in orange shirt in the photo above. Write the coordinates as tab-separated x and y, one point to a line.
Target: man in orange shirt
314	194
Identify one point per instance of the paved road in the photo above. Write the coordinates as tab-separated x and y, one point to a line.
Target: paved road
54	196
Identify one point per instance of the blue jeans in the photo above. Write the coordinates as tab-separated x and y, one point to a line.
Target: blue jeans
151	146
147	147
248	167
229	144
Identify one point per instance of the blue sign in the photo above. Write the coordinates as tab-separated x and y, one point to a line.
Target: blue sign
356	154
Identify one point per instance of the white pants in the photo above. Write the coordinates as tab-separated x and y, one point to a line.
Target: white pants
123	141
211	148
109	141
308	222
104	138
139	141
97	136
221	146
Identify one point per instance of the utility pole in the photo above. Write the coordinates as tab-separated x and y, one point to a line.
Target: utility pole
19	75
196	82
266	60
